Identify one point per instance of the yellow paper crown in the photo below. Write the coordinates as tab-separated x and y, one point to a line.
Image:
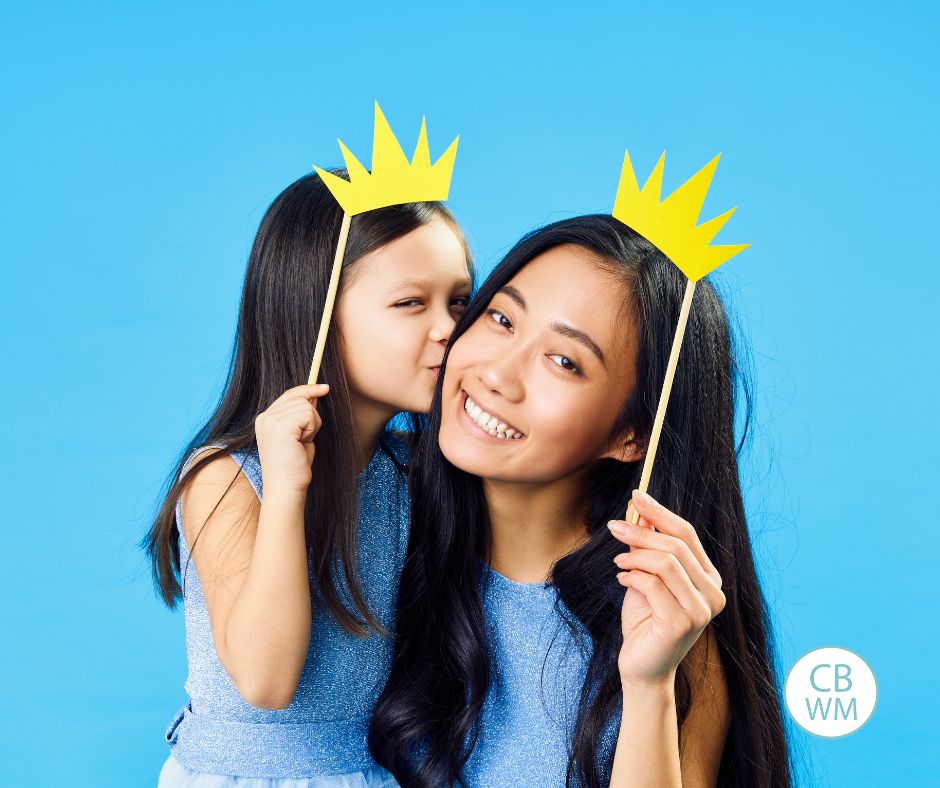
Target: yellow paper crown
393	180
670	225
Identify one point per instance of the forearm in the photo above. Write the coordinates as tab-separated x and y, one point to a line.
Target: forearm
647	752
267	634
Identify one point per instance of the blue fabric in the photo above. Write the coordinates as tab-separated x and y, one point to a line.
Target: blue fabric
323	731
175	775
538	667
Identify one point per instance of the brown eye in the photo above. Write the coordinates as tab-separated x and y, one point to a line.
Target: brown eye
572	367
409	302
496	315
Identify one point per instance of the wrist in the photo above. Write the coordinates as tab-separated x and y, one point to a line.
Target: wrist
660	688
284	497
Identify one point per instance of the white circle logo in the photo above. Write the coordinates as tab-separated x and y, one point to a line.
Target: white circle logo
831	692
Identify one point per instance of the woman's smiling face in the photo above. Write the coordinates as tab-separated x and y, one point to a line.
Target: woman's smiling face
547	368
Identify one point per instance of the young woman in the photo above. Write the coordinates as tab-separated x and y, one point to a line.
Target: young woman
289	585
519	658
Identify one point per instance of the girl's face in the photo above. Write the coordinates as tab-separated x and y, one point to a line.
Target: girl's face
396	314
552	358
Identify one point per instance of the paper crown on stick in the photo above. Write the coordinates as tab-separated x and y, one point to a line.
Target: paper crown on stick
393	179
670	224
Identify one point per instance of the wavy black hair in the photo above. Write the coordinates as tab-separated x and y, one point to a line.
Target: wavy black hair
427	719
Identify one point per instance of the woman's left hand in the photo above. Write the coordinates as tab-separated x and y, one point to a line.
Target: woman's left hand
674	591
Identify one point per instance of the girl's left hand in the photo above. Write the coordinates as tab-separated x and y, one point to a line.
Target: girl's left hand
674	591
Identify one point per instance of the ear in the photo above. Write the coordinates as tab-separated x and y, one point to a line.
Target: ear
624	449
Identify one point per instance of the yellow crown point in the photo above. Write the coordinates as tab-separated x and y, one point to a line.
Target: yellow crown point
393	179
670	225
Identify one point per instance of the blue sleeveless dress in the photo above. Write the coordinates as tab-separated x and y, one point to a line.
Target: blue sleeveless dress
320	740
538	668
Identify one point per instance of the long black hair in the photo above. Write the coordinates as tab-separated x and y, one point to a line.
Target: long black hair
427	719
282	300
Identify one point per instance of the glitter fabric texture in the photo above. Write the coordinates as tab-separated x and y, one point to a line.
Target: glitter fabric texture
538	668
319	740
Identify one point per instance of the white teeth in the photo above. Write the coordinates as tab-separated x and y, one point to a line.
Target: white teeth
491	424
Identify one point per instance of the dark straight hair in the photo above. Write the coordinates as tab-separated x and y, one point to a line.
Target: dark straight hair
427	719
282	300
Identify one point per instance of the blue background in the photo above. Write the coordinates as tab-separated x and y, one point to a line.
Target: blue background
142	145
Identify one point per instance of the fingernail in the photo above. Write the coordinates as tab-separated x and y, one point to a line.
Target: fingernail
616	528
643	498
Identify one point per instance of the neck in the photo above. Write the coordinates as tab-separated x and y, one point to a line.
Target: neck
533	525
369	419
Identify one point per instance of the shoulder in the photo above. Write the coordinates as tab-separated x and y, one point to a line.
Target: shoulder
217	490
216	462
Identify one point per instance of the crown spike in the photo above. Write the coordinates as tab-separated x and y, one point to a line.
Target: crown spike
386	152
353	165
422	155
653	188
334	183
708	230
722	253
445	165
628	176
690	196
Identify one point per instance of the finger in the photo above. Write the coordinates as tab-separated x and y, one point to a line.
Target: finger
664	605
310	429
642	540
633	516
674	576
313	390
668	522
293	416
306	392
704	577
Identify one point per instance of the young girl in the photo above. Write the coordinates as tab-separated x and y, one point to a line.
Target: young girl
519	659
282	591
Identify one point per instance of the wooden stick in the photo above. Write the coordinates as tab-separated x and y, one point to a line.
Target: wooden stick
664	396
330	299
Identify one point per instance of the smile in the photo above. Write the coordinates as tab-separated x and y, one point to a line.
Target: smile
490	423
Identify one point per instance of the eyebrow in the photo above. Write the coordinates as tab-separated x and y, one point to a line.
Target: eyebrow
424	284
562	328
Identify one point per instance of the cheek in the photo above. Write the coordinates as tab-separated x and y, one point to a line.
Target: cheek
373	356
383	337
571	429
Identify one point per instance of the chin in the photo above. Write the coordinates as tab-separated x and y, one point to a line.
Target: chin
461	454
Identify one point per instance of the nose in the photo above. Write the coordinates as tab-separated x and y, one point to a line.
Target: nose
502	374
441	328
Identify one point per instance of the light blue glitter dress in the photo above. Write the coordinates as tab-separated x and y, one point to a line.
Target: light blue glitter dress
538	668
320	740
